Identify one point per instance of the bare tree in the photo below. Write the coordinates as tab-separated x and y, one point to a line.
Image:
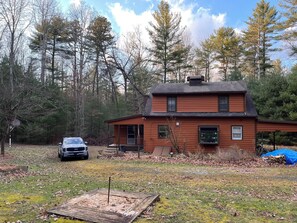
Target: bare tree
15	16
131	59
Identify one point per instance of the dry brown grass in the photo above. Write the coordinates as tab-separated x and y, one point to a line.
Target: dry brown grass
234	153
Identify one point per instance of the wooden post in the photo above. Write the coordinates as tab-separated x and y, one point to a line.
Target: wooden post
138	141
108	194
274	140
107	136
119	138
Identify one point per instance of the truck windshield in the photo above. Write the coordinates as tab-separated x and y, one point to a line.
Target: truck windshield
73	141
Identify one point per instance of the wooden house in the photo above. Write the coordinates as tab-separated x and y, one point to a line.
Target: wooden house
196	116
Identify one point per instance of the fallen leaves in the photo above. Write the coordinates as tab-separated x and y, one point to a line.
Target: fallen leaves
193	189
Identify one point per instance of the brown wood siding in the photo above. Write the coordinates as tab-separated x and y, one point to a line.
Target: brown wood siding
237	103
123	134
159	104
199	103
187	133
271	127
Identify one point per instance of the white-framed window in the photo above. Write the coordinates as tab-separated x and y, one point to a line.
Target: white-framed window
237	132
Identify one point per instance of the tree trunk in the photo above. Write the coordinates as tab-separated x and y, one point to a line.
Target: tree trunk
53	61
165	65
126	89
3	146
43	59
11	62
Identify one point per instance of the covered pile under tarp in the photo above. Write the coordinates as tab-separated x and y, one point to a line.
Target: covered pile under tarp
290	155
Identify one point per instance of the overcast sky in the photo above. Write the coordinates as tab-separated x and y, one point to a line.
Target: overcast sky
200	17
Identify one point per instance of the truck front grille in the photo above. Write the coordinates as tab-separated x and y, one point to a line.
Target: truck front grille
76	149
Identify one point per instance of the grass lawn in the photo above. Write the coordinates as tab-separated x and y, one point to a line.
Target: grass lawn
188	193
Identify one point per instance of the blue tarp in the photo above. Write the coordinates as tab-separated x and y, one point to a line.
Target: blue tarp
290	155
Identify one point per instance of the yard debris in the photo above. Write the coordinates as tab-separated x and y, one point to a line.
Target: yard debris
109	152
13	170
195	159
289	155
275	159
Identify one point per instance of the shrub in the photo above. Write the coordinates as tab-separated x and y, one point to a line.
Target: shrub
234	153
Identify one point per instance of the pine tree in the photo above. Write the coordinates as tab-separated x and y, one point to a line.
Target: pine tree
227	50
259	36
289	24
165	33
100	38
205	57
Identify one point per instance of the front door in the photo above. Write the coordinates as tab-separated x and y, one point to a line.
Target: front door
131	134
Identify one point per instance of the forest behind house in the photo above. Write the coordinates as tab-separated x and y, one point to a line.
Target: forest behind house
64	74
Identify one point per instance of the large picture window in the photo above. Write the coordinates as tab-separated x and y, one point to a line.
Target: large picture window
171	104
223	103
163	131
236	132
208	135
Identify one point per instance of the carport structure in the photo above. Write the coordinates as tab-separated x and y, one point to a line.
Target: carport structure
276	126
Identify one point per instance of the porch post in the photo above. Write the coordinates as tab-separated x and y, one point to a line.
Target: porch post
119	138
274	140
138	135
138	141
108	136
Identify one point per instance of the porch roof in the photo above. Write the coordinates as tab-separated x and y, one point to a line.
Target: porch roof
276	125
132	119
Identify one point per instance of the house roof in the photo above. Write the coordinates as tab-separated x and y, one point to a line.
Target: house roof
204	88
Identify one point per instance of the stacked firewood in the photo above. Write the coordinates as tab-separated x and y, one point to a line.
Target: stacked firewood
281	159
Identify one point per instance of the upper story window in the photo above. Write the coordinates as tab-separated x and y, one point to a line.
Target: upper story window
171	104
223	103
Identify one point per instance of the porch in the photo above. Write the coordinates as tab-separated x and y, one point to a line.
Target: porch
128	133
127	137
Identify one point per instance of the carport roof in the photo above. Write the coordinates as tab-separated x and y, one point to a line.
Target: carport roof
264	125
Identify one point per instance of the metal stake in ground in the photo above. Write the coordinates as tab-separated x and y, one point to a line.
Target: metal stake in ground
108	194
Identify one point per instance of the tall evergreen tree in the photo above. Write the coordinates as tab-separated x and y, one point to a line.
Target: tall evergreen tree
205	57
100	38
289	24
182	58
227	50
259	35
165	33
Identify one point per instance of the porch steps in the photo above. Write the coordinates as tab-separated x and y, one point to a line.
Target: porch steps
108	152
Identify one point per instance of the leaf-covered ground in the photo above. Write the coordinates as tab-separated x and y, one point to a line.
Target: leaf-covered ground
189	192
